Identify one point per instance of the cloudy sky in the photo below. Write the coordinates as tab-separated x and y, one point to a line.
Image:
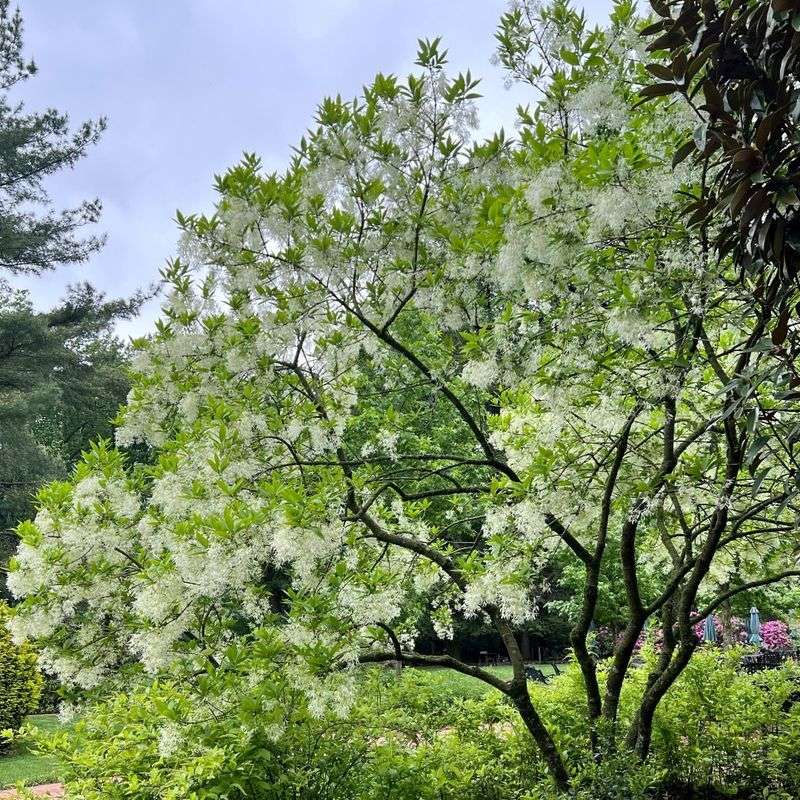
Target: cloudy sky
187	85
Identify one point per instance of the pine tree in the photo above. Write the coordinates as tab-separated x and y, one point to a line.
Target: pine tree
34	235
61	372
62	380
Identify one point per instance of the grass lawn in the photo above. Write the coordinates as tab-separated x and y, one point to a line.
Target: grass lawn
469	687
20	765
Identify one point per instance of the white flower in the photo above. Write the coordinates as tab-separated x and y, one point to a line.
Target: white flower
170	739
598	104
481	374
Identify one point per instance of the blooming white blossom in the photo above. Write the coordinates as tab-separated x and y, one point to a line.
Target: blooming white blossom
170	739
387	389
481	374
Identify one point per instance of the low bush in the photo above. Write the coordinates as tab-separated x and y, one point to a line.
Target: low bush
419	737
720	732
20	679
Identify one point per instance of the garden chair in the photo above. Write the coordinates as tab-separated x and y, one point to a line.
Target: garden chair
534	674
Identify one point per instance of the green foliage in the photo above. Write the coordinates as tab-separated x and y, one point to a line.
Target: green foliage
420	737
722	727
742	59
426	737
24	764
61	376
62	380
33	147
142	744
717	727
20	679
481	755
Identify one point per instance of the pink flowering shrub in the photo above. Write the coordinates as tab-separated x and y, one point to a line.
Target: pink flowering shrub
775	635
736	630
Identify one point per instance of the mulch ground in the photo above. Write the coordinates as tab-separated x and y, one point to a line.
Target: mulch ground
45	790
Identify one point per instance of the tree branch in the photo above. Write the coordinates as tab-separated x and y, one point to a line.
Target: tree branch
720	599
422	660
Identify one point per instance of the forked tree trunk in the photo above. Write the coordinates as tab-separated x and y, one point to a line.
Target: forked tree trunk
542	737
641	733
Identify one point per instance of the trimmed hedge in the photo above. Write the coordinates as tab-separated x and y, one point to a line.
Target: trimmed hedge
20	679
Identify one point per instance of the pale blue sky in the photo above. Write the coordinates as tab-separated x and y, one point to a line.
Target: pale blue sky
187	85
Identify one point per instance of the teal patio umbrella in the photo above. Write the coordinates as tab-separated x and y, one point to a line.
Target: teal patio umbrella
754	627
709	629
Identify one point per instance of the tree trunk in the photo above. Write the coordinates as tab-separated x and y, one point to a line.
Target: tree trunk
578	639
623	653
542	737
642	731
519	695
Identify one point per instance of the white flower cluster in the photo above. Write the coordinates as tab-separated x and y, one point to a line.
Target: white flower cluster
376	379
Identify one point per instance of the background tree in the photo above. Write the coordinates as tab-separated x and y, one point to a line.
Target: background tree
35	237
62	380
735	66
61	372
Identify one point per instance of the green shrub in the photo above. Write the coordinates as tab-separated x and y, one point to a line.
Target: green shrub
410	739
717	728
422	737
20	679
